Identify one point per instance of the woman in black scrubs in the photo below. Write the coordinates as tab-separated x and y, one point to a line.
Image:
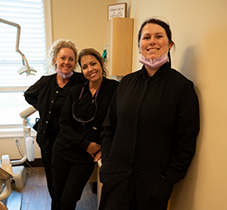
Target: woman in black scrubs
150	130
78	144
48	95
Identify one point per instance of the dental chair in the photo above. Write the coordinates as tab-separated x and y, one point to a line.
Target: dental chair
13	172
3	206
9	199
5	186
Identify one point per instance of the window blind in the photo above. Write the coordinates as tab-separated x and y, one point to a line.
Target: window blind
29	14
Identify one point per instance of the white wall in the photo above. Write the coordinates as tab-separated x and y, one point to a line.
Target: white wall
199	30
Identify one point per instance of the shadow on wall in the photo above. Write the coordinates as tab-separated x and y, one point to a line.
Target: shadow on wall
189	68
205	65
186	187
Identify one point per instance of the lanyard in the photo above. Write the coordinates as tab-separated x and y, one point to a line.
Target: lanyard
96	94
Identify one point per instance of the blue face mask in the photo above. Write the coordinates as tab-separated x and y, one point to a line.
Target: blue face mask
62	75
157	62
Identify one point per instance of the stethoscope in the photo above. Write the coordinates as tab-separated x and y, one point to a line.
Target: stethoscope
79	119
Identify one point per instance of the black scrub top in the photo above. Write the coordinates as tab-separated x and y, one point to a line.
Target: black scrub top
48	98
151	126
74	137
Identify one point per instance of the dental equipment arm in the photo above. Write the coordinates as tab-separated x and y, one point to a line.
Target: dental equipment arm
25	68
26	130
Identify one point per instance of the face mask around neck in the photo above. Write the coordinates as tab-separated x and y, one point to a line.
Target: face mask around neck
157	62
62	75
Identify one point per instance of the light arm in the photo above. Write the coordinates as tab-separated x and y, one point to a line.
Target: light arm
26	68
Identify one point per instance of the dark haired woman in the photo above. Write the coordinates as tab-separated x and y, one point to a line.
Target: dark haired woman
77	146
150	130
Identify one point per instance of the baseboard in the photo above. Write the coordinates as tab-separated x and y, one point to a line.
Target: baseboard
38	162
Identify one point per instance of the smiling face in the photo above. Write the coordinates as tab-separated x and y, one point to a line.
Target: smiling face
91	68
65	60
154	42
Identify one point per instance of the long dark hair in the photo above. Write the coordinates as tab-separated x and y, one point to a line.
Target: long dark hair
96	54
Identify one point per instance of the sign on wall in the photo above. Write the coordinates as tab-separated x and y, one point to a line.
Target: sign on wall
117	10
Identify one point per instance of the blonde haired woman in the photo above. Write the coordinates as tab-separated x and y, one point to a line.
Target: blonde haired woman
48	95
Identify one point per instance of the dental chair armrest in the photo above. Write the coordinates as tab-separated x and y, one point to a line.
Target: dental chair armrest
6	189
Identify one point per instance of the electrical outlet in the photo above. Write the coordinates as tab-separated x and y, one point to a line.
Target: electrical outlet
16	141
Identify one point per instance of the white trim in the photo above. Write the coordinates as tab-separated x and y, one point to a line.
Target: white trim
48	23
13	89
14	132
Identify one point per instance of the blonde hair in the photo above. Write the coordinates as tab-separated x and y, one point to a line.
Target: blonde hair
54	50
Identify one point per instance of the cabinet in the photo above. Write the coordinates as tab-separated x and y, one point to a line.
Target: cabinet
119	46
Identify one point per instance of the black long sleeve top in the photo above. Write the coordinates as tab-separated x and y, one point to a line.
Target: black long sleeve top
151	127
48	98
74	136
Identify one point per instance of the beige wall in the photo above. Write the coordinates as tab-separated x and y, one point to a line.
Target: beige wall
8	147
200	34
81	21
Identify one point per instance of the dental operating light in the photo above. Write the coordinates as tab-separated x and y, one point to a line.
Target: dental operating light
25	68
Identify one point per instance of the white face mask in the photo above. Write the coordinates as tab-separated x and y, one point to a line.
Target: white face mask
157	62
62	75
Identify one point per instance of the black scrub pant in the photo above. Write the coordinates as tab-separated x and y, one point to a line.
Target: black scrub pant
46	157
69	181
134	198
